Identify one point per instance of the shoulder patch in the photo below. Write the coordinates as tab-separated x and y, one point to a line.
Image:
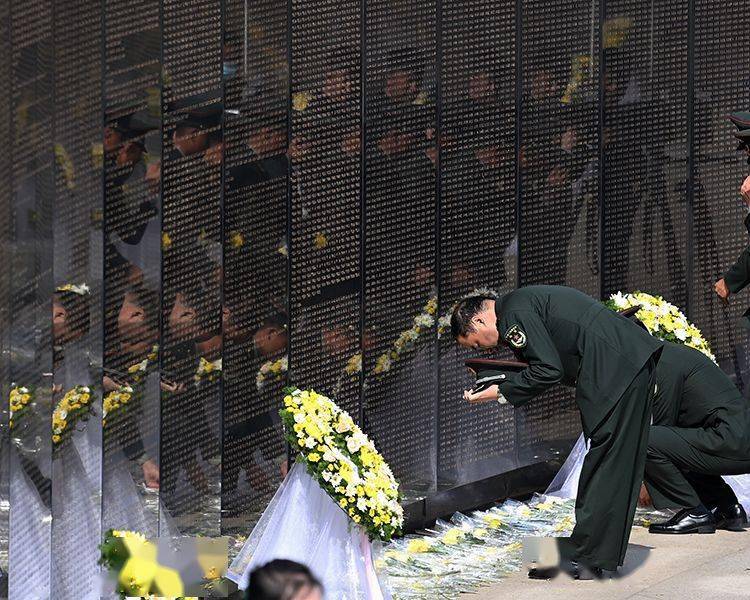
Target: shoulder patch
516	337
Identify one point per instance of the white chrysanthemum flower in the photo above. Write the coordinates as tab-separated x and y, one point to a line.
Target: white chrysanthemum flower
680	334
355	441
620	300
343	425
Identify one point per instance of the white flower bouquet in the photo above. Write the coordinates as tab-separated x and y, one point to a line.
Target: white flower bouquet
662	319
343	461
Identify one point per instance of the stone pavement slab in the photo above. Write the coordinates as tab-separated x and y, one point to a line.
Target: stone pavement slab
657	567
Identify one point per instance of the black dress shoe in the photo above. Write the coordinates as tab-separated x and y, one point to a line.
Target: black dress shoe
581	572
688	520
732	518
570	567
544	573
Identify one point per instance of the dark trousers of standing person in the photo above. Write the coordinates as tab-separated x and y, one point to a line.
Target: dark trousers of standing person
680	474
611	478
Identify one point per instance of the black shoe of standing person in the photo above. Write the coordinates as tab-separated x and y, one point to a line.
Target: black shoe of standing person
688	520
544	573
732	517
570	567
581	572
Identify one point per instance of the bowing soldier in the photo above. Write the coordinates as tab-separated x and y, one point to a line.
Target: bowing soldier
568	338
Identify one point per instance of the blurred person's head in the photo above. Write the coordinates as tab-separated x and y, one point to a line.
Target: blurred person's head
401	85
113	139
190	139
341	73
70	315
270	338
283	580
183	317
403	79
137	319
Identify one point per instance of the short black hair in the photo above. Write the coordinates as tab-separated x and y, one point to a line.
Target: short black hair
464	311
279	580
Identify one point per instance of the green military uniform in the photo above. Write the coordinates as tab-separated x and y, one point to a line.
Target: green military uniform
738	275
569	338
701	430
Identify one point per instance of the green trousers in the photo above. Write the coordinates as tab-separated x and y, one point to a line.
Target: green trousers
611	479
680	474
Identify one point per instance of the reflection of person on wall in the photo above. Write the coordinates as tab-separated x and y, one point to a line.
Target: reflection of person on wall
403	117
553	156
70	316
624	167
132	333
192	319
657	202
251	414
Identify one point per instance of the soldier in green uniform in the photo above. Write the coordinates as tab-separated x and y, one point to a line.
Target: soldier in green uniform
700	431
738	275
568	337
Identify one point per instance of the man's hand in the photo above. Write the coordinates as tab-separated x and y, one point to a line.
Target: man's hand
150	474
214	154
721	289
644	499
557	177
568	140
745	191
484	396
172	387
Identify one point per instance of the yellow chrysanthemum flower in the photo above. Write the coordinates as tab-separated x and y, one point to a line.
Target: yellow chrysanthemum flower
300	101
417	546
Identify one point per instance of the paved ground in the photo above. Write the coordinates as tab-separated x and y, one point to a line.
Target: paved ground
693	567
